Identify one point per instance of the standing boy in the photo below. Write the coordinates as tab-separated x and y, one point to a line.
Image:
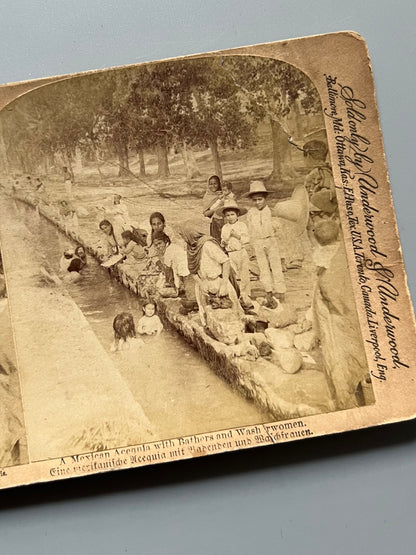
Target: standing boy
234	238
262	236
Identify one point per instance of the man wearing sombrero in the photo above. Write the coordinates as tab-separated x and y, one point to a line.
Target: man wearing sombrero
262	236
234	237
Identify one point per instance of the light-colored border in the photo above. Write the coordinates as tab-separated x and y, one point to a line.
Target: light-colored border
344	57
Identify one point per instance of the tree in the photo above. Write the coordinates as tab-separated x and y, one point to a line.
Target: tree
272	88
190	103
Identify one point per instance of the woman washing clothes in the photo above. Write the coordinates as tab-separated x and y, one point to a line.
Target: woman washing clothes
174	261
210	267
133	249
110	247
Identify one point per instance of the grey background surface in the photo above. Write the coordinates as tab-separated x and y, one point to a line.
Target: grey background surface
348	494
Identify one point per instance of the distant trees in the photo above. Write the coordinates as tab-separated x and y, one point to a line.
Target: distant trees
190	103
207	102
272	88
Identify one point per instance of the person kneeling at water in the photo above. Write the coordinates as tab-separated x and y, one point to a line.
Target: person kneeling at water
149	323
210	266
175	263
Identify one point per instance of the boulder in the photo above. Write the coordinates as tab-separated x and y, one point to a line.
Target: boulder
296	328
224	325
305	341
282	316
289	359
254	338
261	343
280	338
246	350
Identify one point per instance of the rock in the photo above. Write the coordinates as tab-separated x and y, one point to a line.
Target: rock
289	359
306	325
224	325
296	328
246	350
280	317
259	340
255	338
265	350
309	314
280	338
305	341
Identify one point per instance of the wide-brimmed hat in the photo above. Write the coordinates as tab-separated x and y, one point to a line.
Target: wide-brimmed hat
231	204
257	187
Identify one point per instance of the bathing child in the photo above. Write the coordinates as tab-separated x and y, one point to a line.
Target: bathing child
149	323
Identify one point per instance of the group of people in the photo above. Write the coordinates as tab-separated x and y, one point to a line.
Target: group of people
216	268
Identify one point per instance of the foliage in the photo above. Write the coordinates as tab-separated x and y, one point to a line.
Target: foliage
203	102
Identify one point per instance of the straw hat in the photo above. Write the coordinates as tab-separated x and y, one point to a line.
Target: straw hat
257	187
231	204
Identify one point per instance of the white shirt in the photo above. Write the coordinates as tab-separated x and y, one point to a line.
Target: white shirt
260	225
212	258
175	257
232	243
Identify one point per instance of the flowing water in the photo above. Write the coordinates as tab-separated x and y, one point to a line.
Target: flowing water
176	388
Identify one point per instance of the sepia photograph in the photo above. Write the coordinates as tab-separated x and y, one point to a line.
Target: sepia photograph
199	255
174	254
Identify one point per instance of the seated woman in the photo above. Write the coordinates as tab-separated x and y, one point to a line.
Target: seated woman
134	250
174	260
109	245
210	266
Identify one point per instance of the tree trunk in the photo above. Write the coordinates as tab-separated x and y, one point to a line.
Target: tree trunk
277	136
162	160
78	160
141	162
213	145
191	167
123	160
68	163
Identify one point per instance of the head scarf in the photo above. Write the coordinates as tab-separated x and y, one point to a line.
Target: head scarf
194	240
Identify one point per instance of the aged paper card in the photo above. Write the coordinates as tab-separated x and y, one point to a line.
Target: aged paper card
199	255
